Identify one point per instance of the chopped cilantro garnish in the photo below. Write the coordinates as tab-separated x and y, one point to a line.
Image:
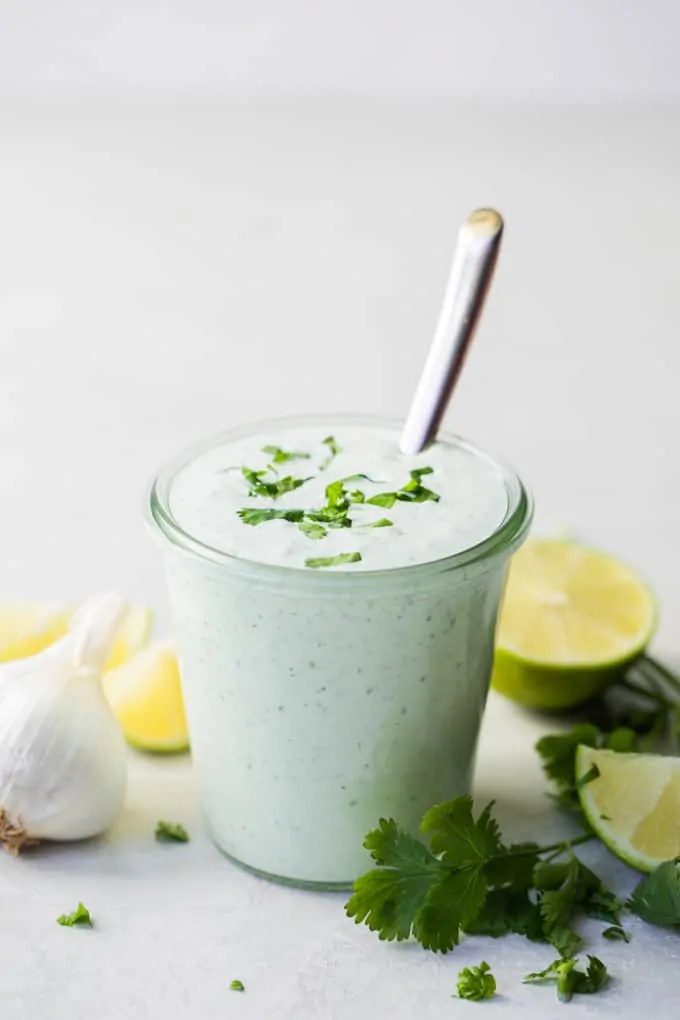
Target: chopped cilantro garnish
253	515
258	487
280	456
312	530
334	449
413	492
171	832
237	986
333	561
80	916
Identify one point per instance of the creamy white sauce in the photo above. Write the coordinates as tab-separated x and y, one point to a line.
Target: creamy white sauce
206	495
314	710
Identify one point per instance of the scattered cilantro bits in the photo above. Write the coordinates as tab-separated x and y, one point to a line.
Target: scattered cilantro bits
476	983
570	980
171	832
280	456
237	986
80	917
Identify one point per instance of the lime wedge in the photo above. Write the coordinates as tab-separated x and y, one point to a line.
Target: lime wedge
146	698
572	620
633	804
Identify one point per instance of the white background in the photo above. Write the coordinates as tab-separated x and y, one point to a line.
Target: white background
211	213
590	50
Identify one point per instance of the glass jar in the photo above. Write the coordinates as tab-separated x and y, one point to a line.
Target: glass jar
321	701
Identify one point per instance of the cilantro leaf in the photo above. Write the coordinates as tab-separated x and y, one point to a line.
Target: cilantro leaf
621	739
595	978
567	887
334	449
384	499
237	986
312	530
171	832
280	456
254	516
384	522
258	487
333	561
656	898
558	753
476	983
565	941
451	905
508	910
413	492
457	837
561	971
80	916
616	933
570	980
390	898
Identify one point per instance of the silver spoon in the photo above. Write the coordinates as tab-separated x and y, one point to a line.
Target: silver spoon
473	264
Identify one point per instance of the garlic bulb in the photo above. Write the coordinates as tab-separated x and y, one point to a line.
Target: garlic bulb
63	761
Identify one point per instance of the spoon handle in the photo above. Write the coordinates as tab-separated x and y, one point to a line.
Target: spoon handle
473	264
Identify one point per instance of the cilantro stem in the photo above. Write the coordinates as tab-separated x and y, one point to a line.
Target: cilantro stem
630	685
558	848
662	671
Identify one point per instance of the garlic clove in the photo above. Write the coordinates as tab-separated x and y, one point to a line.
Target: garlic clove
63	759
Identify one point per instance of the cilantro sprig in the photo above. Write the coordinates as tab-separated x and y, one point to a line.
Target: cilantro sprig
467	879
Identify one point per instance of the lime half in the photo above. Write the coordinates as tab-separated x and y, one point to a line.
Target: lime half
572	620
633	804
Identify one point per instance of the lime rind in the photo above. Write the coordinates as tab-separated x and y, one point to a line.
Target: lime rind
617	830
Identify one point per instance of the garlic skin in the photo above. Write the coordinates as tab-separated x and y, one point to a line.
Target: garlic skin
63	757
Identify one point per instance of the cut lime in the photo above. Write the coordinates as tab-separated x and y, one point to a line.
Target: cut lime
146	697
633	804
572	620
27	628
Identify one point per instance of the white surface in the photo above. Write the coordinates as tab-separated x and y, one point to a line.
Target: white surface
167	271
544	49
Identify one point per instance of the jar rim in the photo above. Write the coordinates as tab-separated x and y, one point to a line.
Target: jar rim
502	541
